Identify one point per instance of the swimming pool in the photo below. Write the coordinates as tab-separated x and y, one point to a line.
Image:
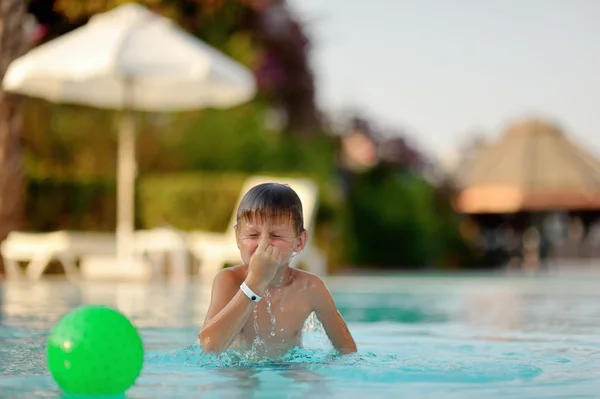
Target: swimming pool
418	337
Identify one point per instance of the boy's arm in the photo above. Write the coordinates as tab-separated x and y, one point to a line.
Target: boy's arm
228	311
331	319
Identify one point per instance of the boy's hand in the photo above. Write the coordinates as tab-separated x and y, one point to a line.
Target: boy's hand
263	265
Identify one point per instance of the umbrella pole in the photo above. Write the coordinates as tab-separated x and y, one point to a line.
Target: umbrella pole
126	171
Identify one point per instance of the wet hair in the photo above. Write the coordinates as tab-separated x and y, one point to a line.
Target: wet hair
272	200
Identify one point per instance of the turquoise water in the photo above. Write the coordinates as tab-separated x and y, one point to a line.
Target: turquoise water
467	337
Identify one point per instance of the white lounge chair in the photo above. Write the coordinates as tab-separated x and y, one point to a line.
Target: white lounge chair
151	248
154	246
216	250
39	249
96	252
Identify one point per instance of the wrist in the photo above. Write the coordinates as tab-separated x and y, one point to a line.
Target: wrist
256	284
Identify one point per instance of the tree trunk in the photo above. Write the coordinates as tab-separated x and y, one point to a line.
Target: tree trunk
12	45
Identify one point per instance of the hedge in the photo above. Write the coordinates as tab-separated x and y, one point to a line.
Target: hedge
387	221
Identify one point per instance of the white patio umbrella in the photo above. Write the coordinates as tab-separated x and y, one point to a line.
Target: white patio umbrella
134	60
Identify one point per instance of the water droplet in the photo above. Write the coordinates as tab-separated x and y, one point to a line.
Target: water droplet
255	314
281	309
270	312
281	330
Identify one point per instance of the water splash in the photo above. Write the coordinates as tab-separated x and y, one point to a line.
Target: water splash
193	357
257	341
314	335
312	323
368	367
255	316
270	312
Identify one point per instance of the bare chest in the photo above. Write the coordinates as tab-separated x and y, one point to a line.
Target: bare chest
277	318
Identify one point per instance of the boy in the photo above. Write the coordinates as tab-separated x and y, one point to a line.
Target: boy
263	303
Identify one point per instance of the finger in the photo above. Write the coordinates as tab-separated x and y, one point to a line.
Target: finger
269	250
263	244
277	255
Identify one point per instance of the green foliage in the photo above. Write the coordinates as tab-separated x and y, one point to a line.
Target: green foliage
239	140
393	219
386	223
186	201
205	200
189	201
71	204
67	141
71	141
214	140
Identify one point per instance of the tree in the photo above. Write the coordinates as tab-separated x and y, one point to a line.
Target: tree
12	44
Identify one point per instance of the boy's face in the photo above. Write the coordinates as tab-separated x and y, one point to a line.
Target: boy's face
278	232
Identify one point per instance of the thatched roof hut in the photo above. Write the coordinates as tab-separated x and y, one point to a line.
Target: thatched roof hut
534	167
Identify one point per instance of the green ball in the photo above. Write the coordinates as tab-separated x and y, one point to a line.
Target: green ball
95	350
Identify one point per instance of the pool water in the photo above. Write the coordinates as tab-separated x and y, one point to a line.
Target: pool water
418	337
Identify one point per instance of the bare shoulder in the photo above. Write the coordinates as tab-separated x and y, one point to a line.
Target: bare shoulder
224	287
309	280
318	294
231	276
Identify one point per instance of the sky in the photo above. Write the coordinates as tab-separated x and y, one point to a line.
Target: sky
445	69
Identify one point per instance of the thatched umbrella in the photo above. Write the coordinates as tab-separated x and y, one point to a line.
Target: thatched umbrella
534	167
